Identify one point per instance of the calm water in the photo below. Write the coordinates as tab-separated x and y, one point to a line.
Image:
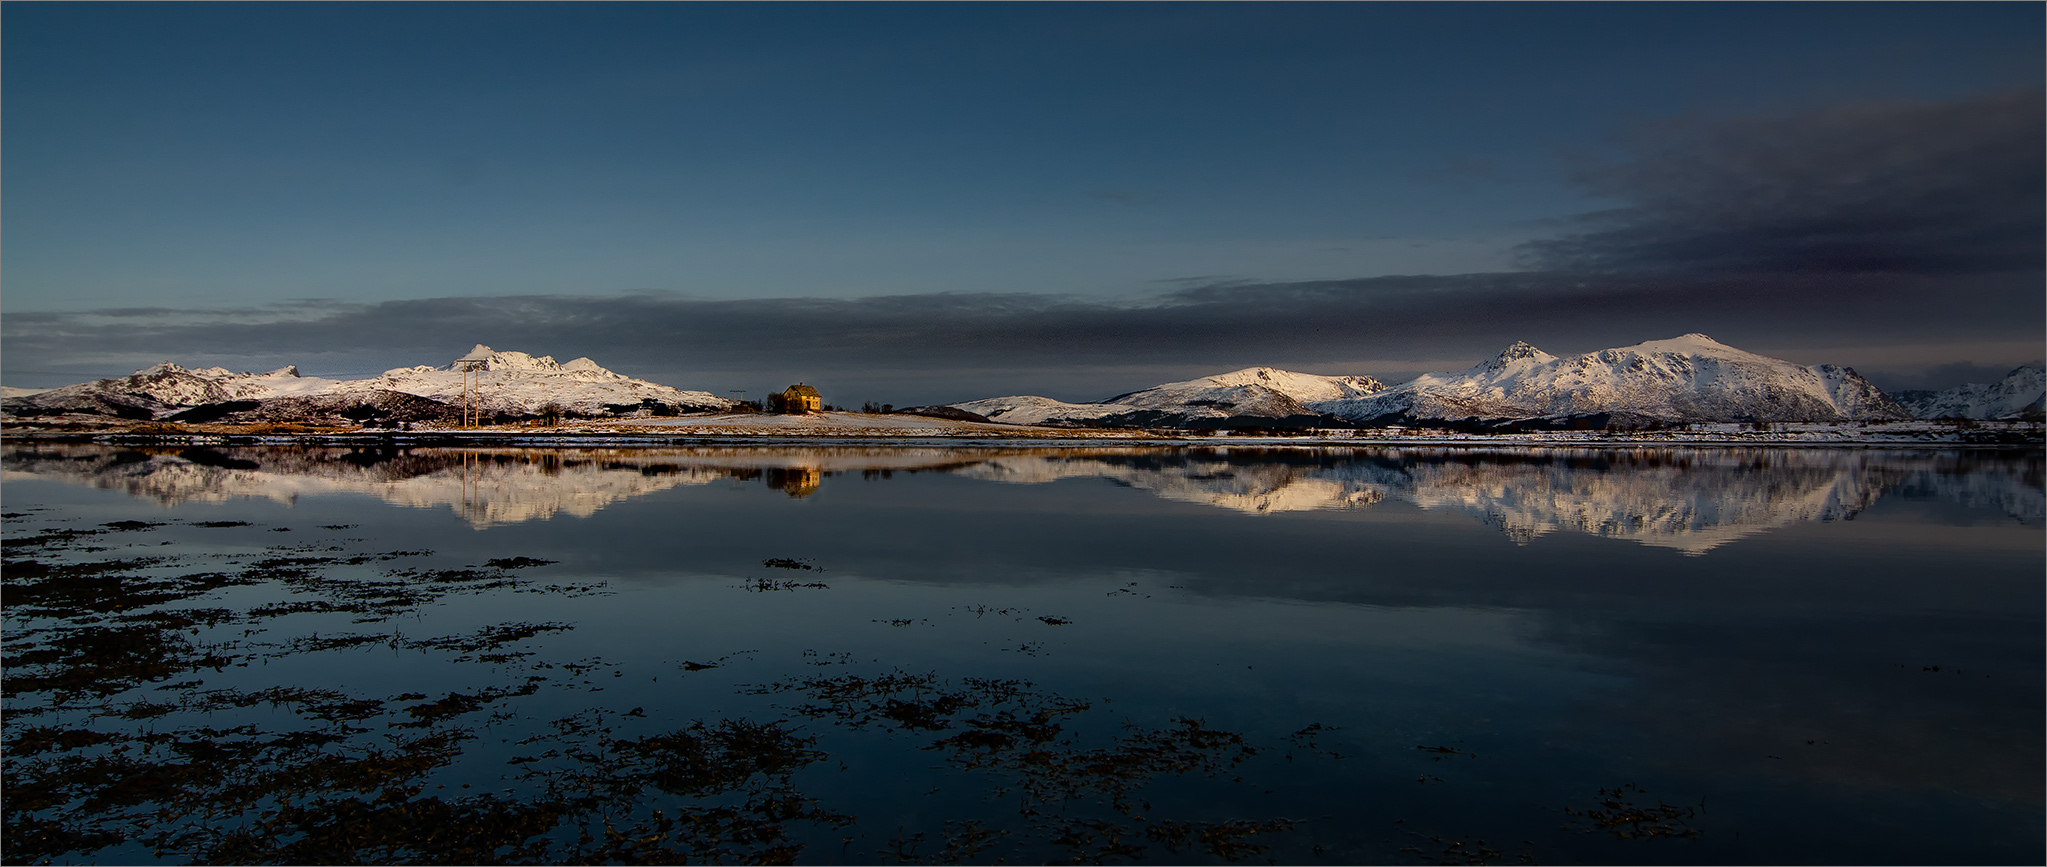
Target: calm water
928	655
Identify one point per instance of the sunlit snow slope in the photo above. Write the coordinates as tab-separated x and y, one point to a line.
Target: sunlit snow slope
2022	393
1252	394
1692	378
505	382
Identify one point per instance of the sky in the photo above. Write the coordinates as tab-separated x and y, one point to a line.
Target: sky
933	202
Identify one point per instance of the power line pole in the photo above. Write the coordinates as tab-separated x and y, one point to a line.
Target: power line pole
474	363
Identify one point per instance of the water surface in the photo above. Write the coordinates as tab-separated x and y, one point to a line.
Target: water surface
1099	654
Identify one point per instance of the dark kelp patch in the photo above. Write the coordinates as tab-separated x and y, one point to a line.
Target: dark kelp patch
518	562
771	585
131	525
115	735
1083	800
1623	812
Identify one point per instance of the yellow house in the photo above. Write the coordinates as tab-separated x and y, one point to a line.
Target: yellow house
800	399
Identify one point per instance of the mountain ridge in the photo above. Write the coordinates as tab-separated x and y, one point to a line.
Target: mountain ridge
1690	378
1684	379
1260	396
506	383
2022	393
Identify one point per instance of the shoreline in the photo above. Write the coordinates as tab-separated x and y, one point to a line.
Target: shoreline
1573	439
841	428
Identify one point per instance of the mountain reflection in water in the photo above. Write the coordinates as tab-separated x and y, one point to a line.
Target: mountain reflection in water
1077	655
1691	500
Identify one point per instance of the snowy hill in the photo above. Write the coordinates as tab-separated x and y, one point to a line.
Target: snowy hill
1256	395
166	388
519	384
2022	393
1302	387
511	383
1692	378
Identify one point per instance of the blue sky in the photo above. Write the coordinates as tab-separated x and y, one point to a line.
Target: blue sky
192	159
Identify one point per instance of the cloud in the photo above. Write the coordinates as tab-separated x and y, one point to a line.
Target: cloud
1862	226
1896	187
944	346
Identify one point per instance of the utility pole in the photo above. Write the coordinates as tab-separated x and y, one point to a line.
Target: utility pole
473	363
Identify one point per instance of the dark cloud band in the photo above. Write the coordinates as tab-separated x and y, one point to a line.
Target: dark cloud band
1854	226
1906	187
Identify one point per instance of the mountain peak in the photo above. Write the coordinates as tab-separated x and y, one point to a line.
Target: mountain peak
1247	376
1694	338
510	360
1304	387
1693	343
1519	350
160	367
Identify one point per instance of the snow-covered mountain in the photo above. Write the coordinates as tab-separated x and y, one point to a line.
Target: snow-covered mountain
1252	395
511	383
1692	378
2022	393
166	388
520	384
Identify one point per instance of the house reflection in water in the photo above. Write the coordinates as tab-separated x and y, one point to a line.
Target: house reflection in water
1693	500
795	481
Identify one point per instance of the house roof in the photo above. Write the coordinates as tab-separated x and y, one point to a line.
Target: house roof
801	390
